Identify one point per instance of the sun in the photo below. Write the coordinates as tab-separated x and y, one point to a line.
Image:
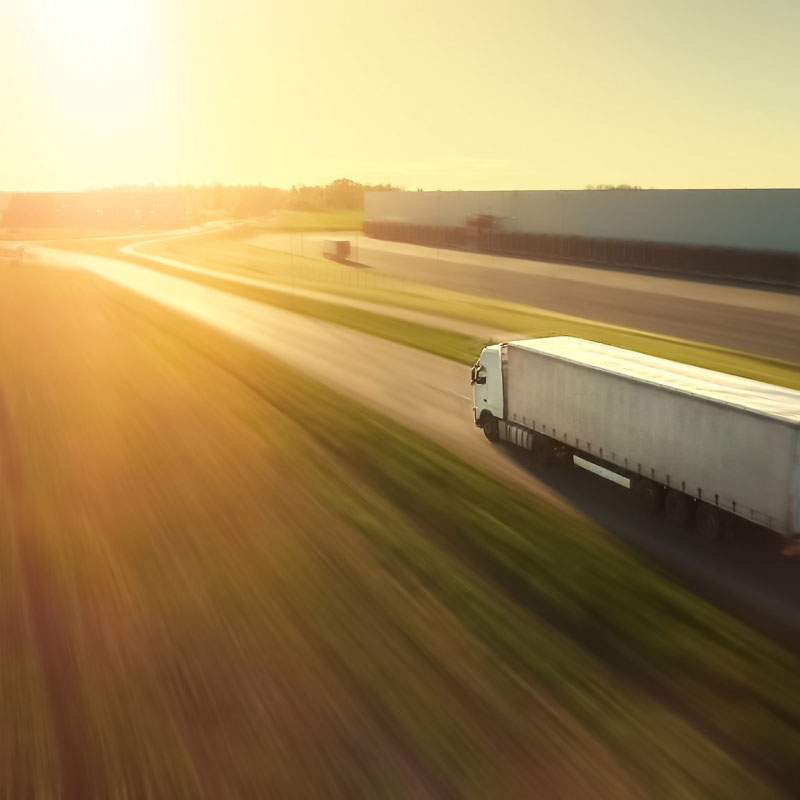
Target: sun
79	17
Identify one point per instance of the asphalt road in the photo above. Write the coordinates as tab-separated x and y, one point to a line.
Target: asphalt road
752	320
432	396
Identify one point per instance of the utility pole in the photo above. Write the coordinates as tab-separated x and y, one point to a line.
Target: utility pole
291	262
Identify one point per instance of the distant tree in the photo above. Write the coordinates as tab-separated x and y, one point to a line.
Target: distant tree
339	194
214	199
257	201
344	193
306	198
605	187
217	196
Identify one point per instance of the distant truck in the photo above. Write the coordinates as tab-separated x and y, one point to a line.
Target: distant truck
703	446
336	249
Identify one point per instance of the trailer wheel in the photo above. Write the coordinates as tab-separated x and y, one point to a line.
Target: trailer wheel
710	522
544	450
562	455
491	430
649	495
677	507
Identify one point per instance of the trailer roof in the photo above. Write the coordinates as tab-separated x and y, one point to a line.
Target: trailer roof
756	396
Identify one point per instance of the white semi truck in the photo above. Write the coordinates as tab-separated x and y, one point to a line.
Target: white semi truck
703	446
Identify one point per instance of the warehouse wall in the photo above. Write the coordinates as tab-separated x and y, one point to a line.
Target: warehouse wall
752	219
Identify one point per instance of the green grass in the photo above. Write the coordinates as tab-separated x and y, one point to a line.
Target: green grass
342	220
227	252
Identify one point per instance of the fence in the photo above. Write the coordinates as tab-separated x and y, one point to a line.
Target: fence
772	268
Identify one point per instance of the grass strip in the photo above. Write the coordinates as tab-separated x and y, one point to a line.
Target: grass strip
289	220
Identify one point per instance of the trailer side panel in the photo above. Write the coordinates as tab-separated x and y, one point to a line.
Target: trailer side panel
719	453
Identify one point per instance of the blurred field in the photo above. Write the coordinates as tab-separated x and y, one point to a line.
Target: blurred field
222	580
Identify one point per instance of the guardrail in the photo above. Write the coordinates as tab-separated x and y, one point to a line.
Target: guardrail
770	268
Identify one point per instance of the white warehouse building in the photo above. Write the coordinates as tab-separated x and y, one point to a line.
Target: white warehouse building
710	228
753	219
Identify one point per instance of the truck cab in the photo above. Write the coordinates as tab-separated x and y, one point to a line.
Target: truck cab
487	385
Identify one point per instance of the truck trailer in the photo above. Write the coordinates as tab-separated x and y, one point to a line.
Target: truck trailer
703	446
336	249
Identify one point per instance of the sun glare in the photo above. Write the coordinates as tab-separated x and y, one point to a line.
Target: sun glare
86	31
98	62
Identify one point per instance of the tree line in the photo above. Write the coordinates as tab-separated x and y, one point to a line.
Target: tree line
258	200
164	206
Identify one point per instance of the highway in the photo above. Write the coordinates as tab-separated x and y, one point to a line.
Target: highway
749	319
431	395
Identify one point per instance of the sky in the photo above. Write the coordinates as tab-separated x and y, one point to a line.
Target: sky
431	94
